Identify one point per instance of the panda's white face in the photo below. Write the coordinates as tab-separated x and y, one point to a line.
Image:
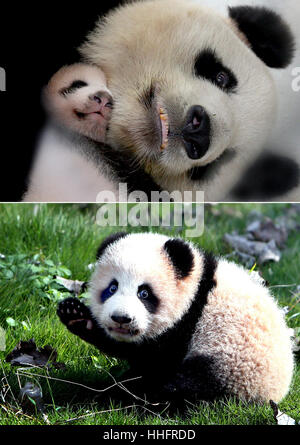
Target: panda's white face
187	86
134	291
121	309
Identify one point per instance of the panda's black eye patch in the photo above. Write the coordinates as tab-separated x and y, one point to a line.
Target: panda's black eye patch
109	291
73	87
148	298
208	66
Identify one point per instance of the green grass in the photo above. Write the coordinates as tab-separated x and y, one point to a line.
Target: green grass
68	236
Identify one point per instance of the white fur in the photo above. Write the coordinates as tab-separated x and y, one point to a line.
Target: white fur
62	174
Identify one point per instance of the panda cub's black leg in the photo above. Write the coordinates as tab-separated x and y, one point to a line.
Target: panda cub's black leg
198	379
77	318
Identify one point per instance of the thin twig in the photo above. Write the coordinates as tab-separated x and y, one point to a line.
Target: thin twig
282	285
29	374
116	383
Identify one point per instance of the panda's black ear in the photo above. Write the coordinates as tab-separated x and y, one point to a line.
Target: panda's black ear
181	256
109	240
269	36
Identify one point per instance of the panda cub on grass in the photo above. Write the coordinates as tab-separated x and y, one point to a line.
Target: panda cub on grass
191	325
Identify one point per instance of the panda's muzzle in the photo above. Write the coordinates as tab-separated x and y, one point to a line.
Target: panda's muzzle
196	132
122	325
121	319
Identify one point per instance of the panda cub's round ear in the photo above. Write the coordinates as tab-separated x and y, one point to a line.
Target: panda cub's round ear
181	256
269	36
108	241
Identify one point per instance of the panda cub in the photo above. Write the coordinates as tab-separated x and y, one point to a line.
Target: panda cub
192	326
79	99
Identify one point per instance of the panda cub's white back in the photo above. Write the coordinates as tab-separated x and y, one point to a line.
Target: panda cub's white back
242	325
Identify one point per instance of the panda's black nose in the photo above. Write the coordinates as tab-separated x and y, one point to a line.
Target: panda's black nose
196	132
122	319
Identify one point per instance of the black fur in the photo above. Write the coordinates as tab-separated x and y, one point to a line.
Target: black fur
208	65
128	172
196	380
109	240
160	361
269	36
181	256
270	176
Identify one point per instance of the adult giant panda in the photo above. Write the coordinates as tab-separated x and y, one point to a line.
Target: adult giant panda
194	103
192	325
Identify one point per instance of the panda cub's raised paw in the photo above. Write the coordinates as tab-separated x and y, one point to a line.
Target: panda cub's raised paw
74	314
78	99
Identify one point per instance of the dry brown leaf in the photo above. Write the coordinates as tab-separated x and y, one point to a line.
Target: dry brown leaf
26	353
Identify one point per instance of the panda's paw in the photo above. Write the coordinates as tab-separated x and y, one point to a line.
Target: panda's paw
74	314
78	98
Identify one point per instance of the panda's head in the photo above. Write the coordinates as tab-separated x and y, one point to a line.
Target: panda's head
188	83
143	284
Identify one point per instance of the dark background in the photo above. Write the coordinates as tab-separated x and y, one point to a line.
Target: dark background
36	39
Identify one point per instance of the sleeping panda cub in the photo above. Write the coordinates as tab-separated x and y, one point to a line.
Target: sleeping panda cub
192	326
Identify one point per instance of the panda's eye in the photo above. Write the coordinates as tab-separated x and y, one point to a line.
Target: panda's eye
222	79
143	294
148	298
113	288
109	291
209	66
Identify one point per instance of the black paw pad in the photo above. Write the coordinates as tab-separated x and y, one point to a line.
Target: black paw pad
71	311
